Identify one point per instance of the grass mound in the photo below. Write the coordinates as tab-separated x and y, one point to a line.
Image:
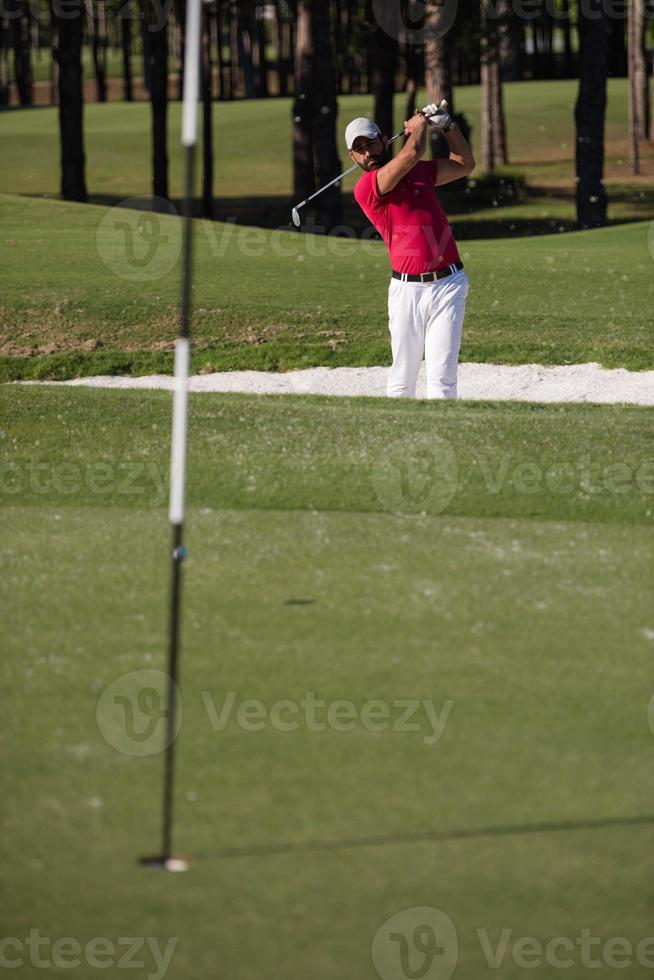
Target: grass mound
82	296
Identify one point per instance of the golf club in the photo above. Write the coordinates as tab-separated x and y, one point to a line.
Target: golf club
294	213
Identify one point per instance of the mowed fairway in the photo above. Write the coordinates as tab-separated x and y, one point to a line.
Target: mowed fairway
275	300
494	561
252	141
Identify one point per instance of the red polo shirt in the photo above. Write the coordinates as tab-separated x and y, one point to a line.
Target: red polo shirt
410	219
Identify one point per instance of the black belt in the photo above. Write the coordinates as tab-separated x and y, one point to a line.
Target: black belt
429	276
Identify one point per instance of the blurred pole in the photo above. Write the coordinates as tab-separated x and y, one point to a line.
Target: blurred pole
180	412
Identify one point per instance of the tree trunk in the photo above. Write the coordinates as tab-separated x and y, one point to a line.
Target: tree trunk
223	90
325	109
617	46
493	125
235	46
259	32
4	61
23	53
639	70
207	116
438	72
146	41
568	58
359	75
126	45
414	70
179	31
547	32
487	79
590	114
54	67
282	79
158	71
303	176
338	11
634	107
536	57
498	116
290	27
68	55
99	43
384	66
215	86
346	57
518	41
245	52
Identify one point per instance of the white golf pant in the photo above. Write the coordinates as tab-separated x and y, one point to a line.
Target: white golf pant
426	317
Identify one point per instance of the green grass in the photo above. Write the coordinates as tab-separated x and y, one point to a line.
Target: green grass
253	146
114	68
529	611
272	300
42	64
278	300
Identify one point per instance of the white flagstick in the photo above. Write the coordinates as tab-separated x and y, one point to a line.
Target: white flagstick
176	509
178	445
191	74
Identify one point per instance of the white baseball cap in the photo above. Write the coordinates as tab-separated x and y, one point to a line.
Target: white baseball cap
361	127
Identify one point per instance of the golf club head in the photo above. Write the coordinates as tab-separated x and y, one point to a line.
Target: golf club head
296	217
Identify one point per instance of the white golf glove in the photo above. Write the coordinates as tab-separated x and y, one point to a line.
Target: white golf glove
438	116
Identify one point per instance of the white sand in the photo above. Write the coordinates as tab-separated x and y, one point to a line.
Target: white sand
527	382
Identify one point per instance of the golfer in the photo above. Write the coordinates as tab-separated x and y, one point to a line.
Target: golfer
428	288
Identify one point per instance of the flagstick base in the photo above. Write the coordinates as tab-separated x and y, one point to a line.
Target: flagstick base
161	863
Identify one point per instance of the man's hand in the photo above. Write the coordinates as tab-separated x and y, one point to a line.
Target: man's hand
415	124
438	116
430	110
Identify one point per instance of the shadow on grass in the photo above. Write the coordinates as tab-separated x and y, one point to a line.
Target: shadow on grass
274	213
428	836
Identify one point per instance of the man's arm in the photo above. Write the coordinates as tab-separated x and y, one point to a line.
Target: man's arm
461	161
392	173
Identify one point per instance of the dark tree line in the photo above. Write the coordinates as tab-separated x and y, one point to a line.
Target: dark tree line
315	50
255	44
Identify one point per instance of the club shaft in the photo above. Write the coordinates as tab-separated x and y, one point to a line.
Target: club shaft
340	176
330	184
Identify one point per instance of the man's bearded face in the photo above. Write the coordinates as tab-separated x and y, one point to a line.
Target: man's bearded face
370	154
